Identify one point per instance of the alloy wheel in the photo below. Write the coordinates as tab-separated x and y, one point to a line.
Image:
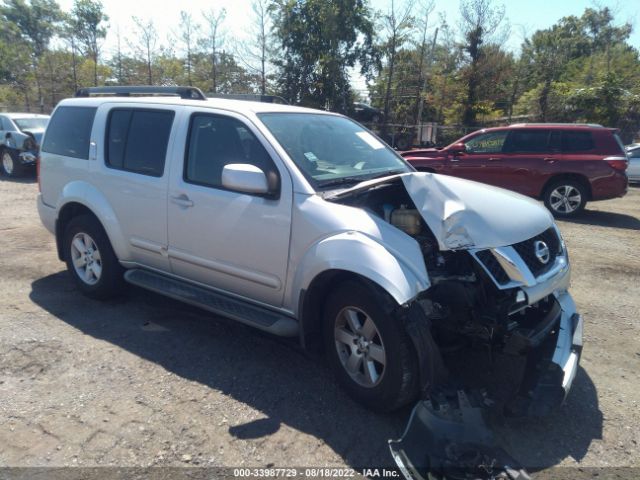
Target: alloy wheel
7	163
360	347
86	258
565	199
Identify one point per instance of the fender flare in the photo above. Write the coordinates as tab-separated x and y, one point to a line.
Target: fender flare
402	274
90	197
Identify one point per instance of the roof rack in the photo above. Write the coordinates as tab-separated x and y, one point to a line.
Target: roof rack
187	93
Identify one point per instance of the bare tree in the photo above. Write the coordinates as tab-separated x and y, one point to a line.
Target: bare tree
148	38
426	8
214	40
398	25
254	54
479	20
118	56
187	33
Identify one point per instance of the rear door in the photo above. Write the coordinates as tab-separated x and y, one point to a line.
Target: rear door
236	242
528	156
133	173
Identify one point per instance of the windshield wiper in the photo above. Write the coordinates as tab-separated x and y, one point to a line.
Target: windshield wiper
356	179
342	181
387	174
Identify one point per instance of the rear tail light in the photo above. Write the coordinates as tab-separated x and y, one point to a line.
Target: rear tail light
618	163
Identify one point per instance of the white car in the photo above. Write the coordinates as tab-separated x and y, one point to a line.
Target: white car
633	170
303	223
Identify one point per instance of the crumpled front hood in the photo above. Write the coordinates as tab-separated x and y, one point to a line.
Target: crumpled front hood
466	214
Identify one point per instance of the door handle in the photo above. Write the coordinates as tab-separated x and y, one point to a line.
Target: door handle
494	159
454	159
549	159
182	200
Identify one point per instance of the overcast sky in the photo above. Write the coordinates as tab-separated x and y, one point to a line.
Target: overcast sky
522	16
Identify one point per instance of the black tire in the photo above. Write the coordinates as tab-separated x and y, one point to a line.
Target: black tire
17	170
109	282
565	197
397	384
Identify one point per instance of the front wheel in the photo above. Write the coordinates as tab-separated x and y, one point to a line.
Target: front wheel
10	165
565	198
368	349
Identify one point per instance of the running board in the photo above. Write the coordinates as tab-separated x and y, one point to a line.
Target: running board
218	303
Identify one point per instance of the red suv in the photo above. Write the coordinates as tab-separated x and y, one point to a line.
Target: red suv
565	165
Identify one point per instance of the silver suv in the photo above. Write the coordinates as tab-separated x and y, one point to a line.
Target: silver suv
303	223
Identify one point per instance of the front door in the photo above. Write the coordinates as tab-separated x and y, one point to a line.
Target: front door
482	160
232	241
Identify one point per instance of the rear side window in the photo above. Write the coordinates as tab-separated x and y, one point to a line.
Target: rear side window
527	141
69	132
137	140
576	141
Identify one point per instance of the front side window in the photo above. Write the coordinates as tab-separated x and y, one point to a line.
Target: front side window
527	141
331	150
216	141
137	140
69	132
491	142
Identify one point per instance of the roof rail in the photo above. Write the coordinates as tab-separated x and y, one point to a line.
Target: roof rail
250	97
187	93
556	124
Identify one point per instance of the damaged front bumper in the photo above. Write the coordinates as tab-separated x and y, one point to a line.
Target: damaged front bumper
28	158
446	436
552	360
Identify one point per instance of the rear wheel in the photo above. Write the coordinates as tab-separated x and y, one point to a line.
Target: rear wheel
90	258
565	198
368	349
9	164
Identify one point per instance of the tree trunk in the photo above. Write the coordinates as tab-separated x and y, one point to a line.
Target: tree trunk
74	65
387	94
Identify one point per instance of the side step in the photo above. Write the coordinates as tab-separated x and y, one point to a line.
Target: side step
221	304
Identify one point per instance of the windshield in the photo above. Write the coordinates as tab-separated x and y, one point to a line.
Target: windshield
36	123
332	150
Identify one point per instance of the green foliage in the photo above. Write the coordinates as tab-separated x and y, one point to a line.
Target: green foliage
319	40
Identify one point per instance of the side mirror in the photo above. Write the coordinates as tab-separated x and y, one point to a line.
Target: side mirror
7	135
245	178
459	147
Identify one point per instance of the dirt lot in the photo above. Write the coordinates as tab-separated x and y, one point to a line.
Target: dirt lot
145	380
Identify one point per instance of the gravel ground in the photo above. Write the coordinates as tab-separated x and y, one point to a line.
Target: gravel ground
146	381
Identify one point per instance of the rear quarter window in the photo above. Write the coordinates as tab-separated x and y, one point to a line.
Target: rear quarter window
69	132
576	141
